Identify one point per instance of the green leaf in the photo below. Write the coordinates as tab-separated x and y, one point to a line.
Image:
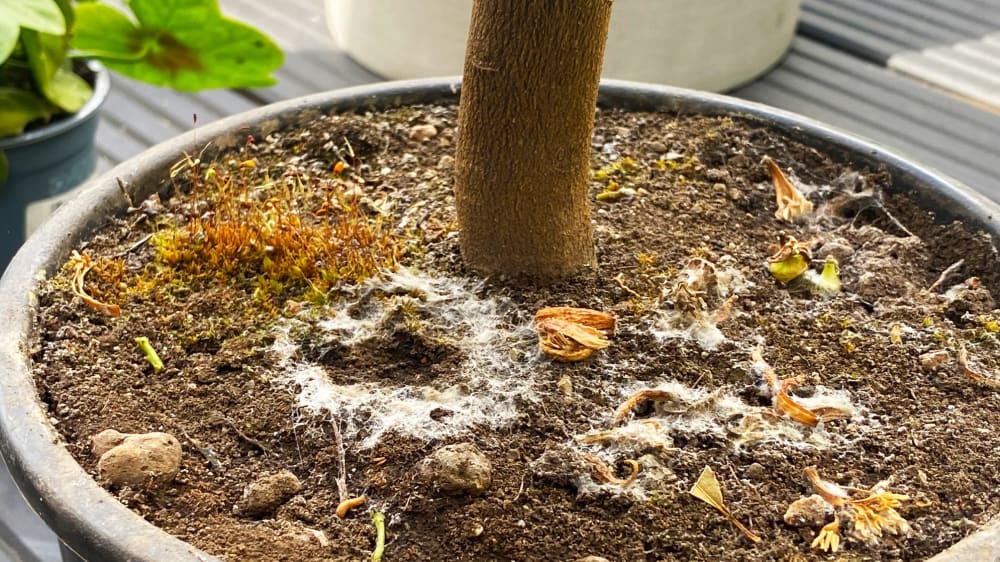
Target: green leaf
47	58
8	37
67	90
18	108
106	33
4	167
40	15
189	45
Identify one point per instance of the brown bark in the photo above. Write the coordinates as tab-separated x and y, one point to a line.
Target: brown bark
529	90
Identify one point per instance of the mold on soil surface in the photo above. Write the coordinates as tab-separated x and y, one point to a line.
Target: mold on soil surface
321	340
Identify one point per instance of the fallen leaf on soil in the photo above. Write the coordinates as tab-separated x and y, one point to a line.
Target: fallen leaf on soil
791	203
572	334
81	265
708	490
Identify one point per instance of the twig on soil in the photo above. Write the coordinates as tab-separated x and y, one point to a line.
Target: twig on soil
948	272
244	436
379	520
205	450
135	246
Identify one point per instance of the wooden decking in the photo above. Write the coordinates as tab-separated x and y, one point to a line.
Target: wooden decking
836	71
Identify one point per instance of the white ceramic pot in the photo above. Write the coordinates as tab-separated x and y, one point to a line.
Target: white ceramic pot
712	45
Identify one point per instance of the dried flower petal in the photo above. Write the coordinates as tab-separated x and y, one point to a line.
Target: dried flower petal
832	493
572	334
652	395
870	516
828	539
593	318
791	203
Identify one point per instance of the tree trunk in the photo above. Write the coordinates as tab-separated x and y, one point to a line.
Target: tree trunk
529	90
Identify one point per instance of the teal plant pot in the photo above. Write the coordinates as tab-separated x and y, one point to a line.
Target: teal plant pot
45	165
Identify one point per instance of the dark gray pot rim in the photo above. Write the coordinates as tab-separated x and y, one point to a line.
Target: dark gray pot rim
97	526
102	85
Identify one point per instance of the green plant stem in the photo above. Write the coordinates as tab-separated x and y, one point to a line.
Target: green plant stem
151	356
379	519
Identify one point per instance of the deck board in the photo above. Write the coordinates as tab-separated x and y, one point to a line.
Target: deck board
828	75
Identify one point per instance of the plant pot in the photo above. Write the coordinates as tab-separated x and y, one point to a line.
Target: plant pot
46	163
710	45
91	521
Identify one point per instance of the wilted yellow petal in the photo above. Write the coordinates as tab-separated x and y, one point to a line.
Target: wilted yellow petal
963	360
828	538
708	490
896	334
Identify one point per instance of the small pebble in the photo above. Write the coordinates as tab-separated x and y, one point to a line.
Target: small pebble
420	133
457	469
262	496
756	471
146	460
934	359
812	511
446	162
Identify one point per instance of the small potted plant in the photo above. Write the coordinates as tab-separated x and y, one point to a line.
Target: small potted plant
51	88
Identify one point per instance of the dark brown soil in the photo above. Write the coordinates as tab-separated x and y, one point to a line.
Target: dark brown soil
460	358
